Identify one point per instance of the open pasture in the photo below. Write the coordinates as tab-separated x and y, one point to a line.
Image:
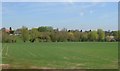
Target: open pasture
67	55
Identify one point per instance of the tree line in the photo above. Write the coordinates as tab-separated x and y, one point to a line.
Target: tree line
48	34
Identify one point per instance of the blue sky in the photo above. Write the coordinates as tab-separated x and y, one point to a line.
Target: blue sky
70	15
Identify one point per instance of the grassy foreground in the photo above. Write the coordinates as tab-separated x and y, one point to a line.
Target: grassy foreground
80	55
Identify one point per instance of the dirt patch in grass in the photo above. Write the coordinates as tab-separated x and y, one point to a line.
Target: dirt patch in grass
35	67
5	66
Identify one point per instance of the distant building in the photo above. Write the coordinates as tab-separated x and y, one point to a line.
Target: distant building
3	29
6	30
17	32
9	31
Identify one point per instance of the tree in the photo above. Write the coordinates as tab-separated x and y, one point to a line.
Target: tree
84	36
93	36
62	36
0	36
24	33
77	36
33	34
101	35
45	29
55	36
119	35
12	38
71	36
115	34
5	37
44	37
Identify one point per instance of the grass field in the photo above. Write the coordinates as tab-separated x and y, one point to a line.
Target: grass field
80	55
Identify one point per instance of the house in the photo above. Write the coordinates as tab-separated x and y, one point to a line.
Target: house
17	32
6	30
9	31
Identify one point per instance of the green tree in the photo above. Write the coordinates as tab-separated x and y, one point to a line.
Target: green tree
93	36
119	35
54	36
33	34
77	35
12	38
62	36
0	36
24	34
5	37
115	34
44	37
84	36
101	35
71	36
45	29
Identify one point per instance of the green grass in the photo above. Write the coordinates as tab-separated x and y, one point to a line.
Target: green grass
80	55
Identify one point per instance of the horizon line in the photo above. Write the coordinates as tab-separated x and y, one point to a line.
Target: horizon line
60	28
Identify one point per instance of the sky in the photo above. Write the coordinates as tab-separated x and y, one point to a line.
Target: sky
60	0
70	15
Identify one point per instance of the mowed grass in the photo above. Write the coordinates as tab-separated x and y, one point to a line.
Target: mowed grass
65	55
